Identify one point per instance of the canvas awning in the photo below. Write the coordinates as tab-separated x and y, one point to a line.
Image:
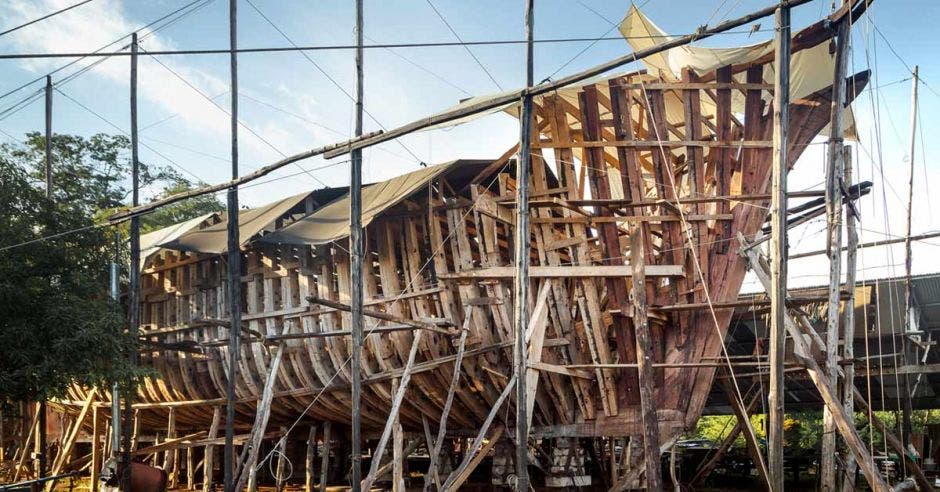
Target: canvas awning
152	242
214	239
331	222
811	69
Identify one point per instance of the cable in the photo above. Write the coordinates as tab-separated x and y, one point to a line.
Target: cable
97	51
437	44
328	76
240	123
118	128
53	14
465	47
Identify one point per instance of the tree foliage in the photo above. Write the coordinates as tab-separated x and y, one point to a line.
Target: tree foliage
59	324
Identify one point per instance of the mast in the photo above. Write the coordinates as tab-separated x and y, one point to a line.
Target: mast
905	394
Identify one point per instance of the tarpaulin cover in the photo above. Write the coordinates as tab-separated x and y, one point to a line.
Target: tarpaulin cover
331	222
214	239
151	242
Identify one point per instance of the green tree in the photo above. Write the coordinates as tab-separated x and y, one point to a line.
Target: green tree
59	325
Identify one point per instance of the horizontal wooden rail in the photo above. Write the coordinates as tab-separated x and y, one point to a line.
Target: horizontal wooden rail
598	271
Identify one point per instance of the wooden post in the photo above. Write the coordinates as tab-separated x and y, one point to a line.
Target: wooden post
280	475
48	162
778	247
844	422
310	459
325	459
905	394
208	462
170	456
750	438
398	459
68	441
355	263
435	446
96	449
644	359
834	187
234	261
190	469
133	271
848	319
521	280
115	437
262	414
393	413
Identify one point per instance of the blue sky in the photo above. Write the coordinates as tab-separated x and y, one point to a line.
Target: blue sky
193	133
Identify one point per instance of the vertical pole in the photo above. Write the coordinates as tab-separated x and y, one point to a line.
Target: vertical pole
905	394
134	270
234	262
644	359
778	246
116	389
48	136
521	287
355	263
848	319
834	184
325	459
41	442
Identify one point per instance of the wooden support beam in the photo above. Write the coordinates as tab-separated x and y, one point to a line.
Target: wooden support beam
393	413
848	319
248	474
472	457
280	475
598	271
535	339
97	448
844	423
778	247
644	358
380	315
310	459
208	460
435	446
750	438
923	483
325	459
656	144
65	452
706	467
27	445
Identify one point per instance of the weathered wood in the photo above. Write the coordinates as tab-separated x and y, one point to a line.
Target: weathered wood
393	413
740	410
249	472
844	423
644	355
848	320
778	248
310	459
380	315
170	456
475	457
535	272
68	443
325	459
208	466
97	449
706	467
435	446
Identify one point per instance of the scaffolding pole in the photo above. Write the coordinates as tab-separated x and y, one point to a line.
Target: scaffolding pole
355	264
778	246
234	263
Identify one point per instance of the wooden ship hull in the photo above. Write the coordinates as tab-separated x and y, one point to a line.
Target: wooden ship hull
668	171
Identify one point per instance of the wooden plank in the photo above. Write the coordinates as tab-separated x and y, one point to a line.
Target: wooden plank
563	370
393	413
594	271
635	218
442	426
750	438
380	315
249	474
477	458
66	451
844	423
325	459
644	358
310	459
535	338
848	321
656	144
208	467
